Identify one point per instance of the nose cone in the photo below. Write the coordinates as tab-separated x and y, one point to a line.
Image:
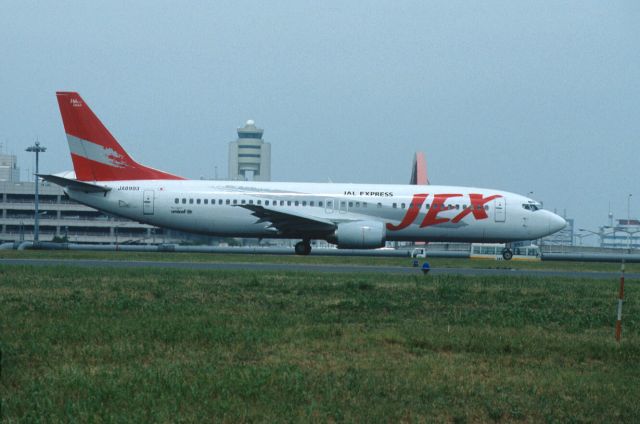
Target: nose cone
556	223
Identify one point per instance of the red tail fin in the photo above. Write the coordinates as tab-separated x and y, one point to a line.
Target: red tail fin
419	170
96	154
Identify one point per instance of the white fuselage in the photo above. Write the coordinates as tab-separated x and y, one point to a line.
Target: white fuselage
409	212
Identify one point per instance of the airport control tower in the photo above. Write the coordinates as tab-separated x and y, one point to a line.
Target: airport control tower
249	155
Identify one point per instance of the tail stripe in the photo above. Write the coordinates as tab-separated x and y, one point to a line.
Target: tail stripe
95	152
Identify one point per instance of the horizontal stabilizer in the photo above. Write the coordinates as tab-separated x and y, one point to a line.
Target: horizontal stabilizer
74	184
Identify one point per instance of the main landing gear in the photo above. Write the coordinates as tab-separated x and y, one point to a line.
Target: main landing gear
303	247
507	254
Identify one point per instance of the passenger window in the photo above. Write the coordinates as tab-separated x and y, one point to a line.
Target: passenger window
251	202
288	202
184	201
395	205
282	203
191	201
312	203
304	203
242	201
206	201
320	204
364	204
235	201
259	202
402	205
198	201
486	207
266	203
379	204
350	204
357	204
177	201
343	205
228	201
296	203
458	206
426	206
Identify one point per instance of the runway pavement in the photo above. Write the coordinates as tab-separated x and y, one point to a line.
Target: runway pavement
255	266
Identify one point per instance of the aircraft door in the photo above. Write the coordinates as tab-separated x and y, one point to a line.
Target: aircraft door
500	209
147	202
330	205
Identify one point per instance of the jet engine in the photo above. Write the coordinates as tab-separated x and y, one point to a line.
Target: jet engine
359	235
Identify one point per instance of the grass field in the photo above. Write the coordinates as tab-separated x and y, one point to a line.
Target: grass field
173	345
354	260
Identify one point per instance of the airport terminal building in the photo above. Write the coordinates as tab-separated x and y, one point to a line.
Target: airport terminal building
63	219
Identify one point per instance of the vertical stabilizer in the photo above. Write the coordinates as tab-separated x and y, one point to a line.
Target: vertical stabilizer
419	171
96	154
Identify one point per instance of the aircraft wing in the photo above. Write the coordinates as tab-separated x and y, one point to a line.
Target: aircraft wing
287	223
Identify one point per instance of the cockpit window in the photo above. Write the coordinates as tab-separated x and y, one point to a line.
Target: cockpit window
531	206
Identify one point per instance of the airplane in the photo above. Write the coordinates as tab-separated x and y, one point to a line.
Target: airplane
351	216
419	170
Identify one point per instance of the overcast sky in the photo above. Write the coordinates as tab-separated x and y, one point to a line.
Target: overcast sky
539	97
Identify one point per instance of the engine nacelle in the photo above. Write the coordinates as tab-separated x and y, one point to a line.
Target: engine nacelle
359	235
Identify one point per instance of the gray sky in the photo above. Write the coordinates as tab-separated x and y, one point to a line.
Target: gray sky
522	96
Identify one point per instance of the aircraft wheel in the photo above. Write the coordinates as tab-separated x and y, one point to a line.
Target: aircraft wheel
507	254
303	248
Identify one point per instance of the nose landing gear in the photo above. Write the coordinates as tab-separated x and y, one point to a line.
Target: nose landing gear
303	247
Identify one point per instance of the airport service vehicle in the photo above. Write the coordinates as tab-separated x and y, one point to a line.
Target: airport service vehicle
496	251
419	252
352	216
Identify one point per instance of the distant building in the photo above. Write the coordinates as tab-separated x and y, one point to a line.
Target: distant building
9	170
625	235
249	155
63	219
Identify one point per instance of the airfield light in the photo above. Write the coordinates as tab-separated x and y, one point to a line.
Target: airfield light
37	149
620	302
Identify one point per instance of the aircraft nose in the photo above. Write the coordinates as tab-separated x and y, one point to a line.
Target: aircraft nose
556	223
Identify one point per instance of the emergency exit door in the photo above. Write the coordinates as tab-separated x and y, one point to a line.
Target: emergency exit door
500	209
147	202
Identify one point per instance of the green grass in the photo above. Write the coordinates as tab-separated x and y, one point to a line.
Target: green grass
328	260
173	345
